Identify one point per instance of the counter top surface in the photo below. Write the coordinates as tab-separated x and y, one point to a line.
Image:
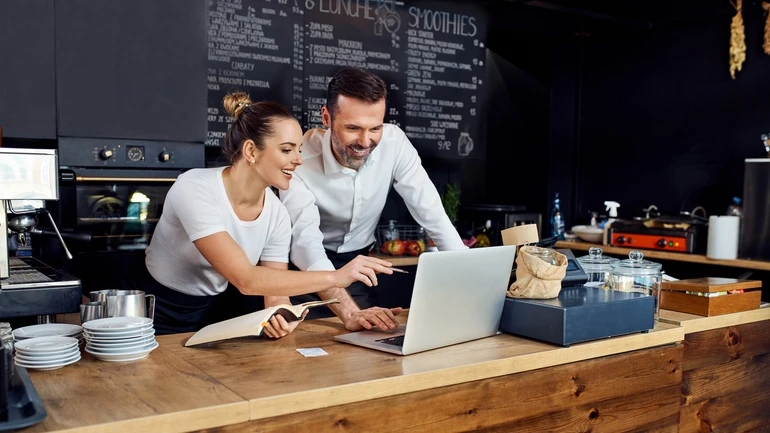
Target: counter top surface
183	389
668	255
694	323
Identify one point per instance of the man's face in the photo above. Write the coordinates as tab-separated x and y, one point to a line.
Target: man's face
356	128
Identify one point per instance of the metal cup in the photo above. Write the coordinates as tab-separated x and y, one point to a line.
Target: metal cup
126	303
92	311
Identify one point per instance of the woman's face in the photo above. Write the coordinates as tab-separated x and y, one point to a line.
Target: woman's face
276	163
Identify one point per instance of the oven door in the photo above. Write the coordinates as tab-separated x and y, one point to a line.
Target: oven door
119	209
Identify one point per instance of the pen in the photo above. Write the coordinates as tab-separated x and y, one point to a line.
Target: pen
399	270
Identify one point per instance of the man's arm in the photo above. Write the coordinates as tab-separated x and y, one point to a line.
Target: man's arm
308	254
412	183
307	250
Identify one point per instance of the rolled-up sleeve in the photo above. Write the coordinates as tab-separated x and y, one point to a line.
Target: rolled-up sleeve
413	184
307	250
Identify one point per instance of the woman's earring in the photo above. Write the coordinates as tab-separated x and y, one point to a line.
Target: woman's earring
251	163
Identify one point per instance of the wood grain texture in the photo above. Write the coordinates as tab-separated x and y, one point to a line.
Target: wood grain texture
665	255
159	393
277	380
711	284
397	260
726	380
723	345
629	392
693	323
705	306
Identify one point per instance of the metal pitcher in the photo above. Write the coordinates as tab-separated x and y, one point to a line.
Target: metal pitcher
126	303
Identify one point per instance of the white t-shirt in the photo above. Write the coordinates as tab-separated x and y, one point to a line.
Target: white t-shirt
197	206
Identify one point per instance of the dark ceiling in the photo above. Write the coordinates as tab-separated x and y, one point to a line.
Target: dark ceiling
647	14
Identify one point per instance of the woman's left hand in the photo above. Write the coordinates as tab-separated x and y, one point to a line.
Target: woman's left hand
278	327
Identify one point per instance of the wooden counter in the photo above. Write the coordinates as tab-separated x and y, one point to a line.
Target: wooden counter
619	384
726	371
667	255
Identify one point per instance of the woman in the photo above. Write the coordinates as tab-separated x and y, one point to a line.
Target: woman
225	225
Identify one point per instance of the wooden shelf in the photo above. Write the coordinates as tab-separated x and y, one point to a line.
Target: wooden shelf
666	255
397	260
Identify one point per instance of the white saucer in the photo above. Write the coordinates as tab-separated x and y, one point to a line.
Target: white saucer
37	357
117	324
47	330
118	335
118	344
123	357
46	344
133	335
134	347
49	365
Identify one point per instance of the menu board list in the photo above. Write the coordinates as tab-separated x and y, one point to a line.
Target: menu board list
430	54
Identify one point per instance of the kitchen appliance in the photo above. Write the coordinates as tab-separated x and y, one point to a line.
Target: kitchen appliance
474	218
579	313
680	233
29	287
755	224
113	192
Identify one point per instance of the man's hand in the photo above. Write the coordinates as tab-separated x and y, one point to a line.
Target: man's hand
383	318
278	327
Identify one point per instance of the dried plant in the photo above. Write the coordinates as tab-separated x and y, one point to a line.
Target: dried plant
737	39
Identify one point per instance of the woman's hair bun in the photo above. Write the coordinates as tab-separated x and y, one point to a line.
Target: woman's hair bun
235	102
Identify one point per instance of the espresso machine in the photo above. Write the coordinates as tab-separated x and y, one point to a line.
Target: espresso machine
29	287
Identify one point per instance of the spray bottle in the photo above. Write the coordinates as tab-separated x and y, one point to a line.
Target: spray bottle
612	209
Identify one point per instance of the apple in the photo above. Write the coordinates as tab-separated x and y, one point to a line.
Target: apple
395	247
413	248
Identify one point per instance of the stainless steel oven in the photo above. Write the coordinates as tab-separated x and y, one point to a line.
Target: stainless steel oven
111	197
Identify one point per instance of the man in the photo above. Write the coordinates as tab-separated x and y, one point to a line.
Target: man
336	196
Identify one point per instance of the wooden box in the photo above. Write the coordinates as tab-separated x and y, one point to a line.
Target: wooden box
674	296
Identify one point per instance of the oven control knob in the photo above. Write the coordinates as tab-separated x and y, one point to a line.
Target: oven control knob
106	154
662	243
164	156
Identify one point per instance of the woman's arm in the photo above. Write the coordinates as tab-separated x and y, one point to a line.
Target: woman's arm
227	257
278	326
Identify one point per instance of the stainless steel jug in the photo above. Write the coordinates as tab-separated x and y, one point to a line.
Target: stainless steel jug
126	303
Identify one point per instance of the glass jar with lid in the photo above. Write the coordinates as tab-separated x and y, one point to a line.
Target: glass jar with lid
638	275
597	267
545	254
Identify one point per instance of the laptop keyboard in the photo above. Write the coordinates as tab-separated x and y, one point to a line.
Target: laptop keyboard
395	341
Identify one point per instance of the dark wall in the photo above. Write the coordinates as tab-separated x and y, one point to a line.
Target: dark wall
661	121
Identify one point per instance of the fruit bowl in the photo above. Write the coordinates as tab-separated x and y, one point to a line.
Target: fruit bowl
589	233
408	242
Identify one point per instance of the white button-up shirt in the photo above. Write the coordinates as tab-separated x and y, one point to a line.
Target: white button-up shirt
337	208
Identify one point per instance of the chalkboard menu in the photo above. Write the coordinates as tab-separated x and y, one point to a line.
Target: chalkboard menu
431	53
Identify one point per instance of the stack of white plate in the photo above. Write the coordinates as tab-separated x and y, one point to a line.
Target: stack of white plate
47	353
120	339
48	330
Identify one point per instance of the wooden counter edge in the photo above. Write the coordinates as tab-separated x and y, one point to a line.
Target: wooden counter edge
693	323
398	260
669	255
181	421
266	407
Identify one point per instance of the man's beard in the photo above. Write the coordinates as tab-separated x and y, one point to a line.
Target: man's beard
352	161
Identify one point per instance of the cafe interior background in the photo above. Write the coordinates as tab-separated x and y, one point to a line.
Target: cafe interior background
595	100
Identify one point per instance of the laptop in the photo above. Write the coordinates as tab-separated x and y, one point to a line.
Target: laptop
458	296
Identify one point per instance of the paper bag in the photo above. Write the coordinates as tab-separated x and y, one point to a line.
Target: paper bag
535	278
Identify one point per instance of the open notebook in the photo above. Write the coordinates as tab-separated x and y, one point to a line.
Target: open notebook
251	324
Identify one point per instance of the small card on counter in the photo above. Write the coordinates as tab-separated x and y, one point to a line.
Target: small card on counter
312	351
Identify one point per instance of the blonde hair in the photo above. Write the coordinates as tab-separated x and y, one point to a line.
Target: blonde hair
251	121
235	102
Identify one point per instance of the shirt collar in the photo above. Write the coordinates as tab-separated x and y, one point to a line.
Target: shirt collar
331	166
